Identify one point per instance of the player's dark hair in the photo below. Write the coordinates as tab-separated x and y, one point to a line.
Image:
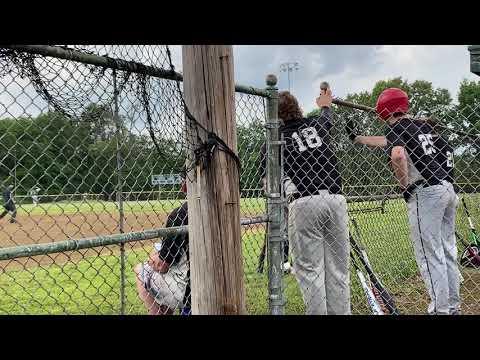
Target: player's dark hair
398	113
288	108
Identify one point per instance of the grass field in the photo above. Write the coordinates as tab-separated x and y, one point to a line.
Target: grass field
92	285
99	207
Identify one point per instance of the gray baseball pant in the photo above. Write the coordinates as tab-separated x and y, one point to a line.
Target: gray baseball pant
318	236
431	214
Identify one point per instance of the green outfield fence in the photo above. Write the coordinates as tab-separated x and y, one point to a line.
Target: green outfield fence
76	122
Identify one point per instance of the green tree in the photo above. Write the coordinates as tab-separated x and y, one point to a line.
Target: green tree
467	117
250	138
98	118
79	155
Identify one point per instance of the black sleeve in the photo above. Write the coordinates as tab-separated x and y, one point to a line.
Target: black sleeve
174	245
326	115
395	136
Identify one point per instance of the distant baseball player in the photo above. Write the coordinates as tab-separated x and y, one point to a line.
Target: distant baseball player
318	220
9	204
34	194
423	164
163	282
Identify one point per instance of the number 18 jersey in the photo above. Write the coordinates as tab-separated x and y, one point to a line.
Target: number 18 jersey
309	160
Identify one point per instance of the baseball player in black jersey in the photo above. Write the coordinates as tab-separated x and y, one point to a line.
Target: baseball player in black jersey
445	155
9	204
422	161
318	220
163	282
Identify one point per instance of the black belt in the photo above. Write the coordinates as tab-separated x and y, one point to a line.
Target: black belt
426	183
423	183
296	196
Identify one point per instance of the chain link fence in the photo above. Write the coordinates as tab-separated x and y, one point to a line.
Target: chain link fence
93	146
93	143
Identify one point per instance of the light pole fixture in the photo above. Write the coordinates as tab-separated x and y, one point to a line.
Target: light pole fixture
289	67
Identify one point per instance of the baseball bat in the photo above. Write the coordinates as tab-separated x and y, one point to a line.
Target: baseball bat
469	248
375	307
473	231
340	102
325	85
375	292
261	257
474	240
386	297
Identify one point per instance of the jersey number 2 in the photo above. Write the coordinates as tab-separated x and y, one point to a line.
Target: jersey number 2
311	138
427	144
450	163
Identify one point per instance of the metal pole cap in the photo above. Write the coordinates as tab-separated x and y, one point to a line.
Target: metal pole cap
271	80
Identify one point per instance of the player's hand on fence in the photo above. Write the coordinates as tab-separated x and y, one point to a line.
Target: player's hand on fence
156	263
325	98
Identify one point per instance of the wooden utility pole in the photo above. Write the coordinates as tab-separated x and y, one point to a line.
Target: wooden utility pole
216	261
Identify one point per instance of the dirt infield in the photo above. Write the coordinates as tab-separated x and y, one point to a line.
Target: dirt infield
37	229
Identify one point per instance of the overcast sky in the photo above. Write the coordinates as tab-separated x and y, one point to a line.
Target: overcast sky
351	68
347	68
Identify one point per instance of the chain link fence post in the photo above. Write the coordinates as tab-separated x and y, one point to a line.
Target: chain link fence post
274	202
118	136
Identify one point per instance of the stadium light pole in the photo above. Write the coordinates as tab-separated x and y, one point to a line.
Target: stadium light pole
289	67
